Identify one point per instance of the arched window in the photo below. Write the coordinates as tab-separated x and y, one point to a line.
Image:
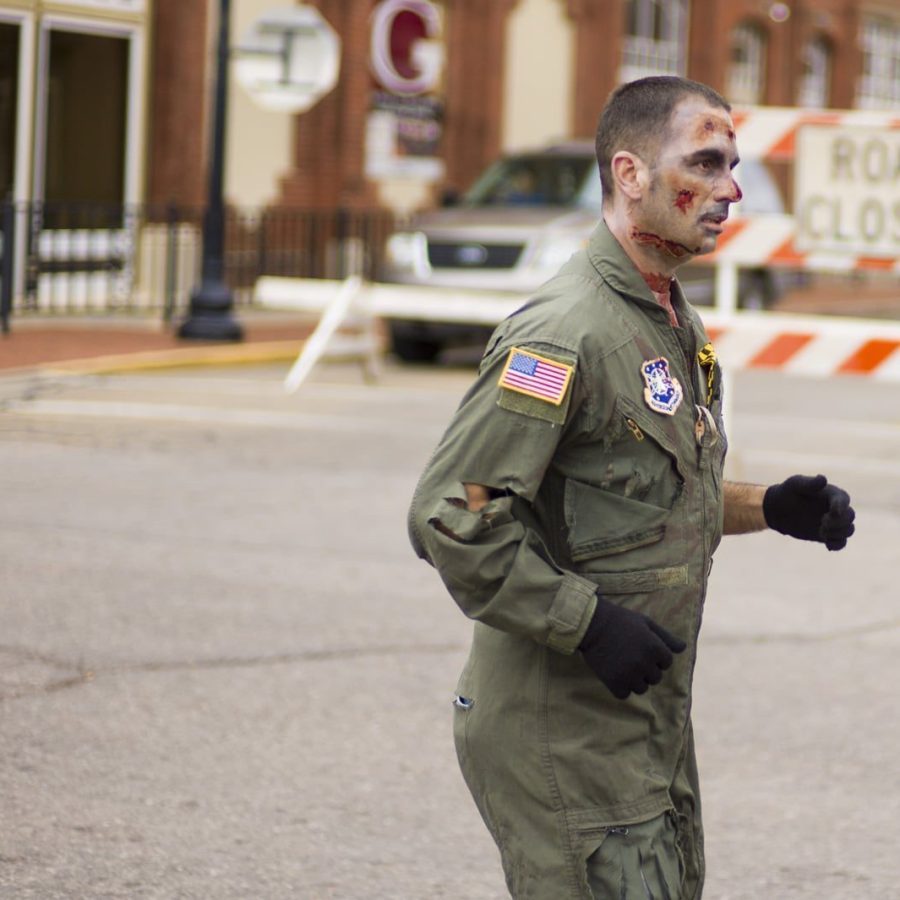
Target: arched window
879	86
746	81
655	38
814	89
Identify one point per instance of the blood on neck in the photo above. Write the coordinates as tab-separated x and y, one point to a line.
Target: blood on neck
661	286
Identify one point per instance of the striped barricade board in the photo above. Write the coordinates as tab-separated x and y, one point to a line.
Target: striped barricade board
800	345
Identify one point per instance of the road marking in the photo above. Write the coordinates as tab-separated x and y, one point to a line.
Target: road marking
172	412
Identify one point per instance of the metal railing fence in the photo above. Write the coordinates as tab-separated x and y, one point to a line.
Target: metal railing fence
85	258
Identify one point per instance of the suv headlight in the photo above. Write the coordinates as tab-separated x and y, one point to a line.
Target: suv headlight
407	252
552	252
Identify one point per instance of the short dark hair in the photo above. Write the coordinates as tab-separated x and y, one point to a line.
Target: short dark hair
637	115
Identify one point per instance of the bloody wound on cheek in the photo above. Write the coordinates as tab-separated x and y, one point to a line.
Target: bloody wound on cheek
684	200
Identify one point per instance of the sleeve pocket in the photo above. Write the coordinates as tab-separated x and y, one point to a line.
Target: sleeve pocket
601	523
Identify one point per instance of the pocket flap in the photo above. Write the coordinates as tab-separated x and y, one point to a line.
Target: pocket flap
639	582
601	522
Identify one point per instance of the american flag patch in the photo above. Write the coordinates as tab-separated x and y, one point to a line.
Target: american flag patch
536	376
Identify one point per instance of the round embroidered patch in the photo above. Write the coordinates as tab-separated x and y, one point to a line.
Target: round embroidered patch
663	393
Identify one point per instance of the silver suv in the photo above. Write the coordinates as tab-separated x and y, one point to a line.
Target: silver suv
521	220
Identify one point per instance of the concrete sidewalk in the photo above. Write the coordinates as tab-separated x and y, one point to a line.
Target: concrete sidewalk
121	344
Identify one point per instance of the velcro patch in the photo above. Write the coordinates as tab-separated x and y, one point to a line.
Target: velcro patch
536	376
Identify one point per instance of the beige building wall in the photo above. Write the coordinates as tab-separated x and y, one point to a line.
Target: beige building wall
258	141
539	78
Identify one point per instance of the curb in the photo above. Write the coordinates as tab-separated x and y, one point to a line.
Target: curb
149	360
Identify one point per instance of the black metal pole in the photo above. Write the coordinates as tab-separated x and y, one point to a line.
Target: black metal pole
210	315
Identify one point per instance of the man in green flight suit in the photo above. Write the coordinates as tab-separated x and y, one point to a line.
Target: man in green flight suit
572	509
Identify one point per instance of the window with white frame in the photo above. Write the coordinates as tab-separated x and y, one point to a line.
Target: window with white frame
655	38
746	82
879	85
815	79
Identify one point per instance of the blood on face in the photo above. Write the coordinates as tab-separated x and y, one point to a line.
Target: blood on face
673	248
710	127
684	200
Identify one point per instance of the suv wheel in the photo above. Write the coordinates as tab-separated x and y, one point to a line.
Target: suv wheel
417	350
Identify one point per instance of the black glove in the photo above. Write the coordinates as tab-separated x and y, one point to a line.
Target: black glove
626	650
811	509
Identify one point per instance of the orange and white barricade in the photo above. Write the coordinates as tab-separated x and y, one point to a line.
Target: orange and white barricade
762	241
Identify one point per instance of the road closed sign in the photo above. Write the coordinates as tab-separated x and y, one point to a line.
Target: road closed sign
847	190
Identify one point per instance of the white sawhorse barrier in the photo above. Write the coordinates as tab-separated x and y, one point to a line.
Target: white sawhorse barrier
800	345
356	304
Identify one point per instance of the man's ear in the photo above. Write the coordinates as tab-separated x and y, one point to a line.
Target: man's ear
630	174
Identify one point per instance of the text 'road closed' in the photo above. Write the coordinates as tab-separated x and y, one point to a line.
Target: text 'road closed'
847	190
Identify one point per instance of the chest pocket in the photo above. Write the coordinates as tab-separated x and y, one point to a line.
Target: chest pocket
628	502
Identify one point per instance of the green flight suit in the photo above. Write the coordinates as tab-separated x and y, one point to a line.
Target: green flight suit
618	487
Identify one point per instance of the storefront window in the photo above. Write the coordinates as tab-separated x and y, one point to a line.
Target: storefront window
746	81
816	78
655	38
879	85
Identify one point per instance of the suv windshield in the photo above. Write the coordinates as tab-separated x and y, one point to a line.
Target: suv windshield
561	179
538	181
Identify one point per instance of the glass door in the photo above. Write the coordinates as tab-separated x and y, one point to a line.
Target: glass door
82	230
85	126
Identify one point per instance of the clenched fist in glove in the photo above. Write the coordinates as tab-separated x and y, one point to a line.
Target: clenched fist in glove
626	650
811	509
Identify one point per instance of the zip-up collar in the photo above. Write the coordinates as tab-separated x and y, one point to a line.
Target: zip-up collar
616	268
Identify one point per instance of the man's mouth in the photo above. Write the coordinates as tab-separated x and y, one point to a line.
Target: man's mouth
714	222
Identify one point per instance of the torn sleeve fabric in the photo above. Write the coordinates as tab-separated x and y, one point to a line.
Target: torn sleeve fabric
495	566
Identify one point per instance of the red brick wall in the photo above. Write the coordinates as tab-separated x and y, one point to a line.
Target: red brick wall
711	22
476	47
328	166
329	139
179	98
599	25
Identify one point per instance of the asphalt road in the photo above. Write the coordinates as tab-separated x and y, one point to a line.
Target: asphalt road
223	674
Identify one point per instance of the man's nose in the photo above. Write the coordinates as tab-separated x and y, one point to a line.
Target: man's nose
730	191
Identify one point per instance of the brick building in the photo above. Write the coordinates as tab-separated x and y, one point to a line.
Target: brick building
820	53
107	99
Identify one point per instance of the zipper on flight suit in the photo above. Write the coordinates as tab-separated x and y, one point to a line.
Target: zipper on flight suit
634	428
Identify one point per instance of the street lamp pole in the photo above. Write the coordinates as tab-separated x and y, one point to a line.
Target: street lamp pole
210	315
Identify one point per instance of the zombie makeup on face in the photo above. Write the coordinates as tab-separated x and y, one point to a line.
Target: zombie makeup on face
710	127
714	160
684	200
672	248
